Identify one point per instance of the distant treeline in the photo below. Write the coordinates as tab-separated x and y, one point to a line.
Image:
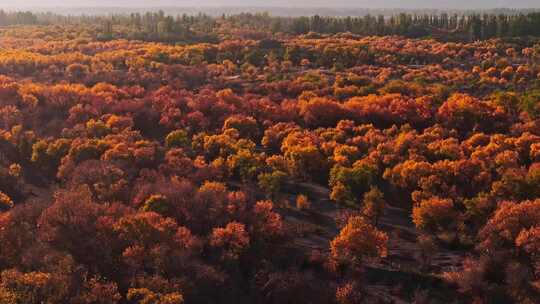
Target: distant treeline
159	26
299	11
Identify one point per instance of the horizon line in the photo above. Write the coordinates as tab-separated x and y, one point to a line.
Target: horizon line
261	6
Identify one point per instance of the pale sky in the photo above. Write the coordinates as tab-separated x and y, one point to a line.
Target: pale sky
433	4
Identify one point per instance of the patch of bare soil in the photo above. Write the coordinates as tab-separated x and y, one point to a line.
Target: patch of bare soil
401	277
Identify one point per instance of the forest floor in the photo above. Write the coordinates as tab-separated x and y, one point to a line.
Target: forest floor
398	278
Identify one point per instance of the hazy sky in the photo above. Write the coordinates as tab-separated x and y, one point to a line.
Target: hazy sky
456	4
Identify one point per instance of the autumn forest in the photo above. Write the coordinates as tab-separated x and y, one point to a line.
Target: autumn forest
157	159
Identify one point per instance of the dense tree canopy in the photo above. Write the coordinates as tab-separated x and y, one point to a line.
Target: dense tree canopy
152	159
